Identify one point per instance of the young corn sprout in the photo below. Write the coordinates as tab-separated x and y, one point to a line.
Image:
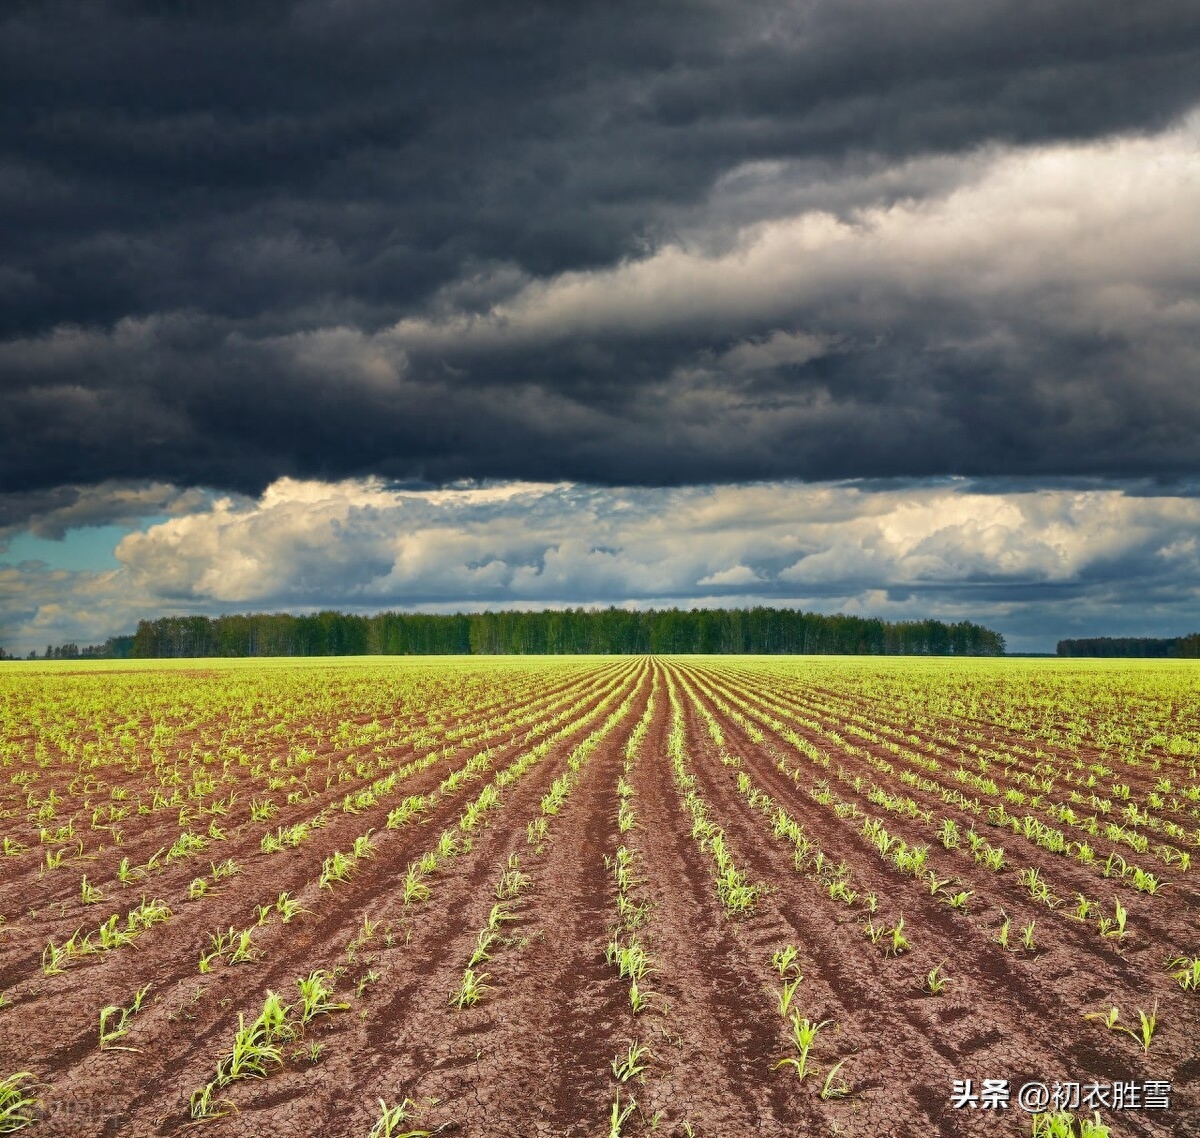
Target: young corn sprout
1083	908
1148	1023
632	1063
288	907
784	995
1143	1034
804	1034
114	1022
1186	972
498	915
619	1115
18	1105
899	942
1063	1124
638	1000
785	960
415	888
512	880
483	943
316	995
834	1087
471	990
392	1118
1114	926
935	980
1027	937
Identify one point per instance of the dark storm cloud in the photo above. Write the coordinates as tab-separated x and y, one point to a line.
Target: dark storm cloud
249	240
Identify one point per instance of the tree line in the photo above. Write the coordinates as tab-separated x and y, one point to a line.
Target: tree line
1131	647
556	632
114	648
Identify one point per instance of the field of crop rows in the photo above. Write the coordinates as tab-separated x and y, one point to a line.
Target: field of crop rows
537	896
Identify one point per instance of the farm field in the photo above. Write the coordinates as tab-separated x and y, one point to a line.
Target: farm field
600	897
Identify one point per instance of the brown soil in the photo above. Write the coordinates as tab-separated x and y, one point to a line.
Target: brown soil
533	1056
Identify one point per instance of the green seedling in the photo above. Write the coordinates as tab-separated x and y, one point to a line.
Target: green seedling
899	941
312	1053
415	888
498	915
362	845
948	833
471	990
114	1021
1062	1124
316	995
337	867
784	995
18	1105
1110	1018
959	900
834	1087
1145	882
632	1063
243	950
391	1118
1146	1031
146	914
638	1000
618	1115
197	889
111	936
512	880
935	981
253	1053
1187	972
1143	1034
1005	926
113	1025
804	1034
89	894
205	1104
1114	926
56	957
483	943
1027	937
785	960
536	832
288	907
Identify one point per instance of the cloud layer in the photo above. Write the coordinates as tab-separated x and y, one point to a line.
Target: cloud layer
624	245
1035	563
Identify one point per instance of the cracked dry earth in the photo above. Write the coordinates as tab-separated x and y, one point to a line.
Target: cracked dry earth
615	852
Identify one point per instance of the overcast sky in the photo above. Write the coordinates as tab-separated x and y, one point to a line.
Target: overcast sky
879	306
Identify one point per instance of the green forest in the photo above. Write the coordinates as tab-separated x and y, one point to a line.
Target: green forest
550	632
1131	647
